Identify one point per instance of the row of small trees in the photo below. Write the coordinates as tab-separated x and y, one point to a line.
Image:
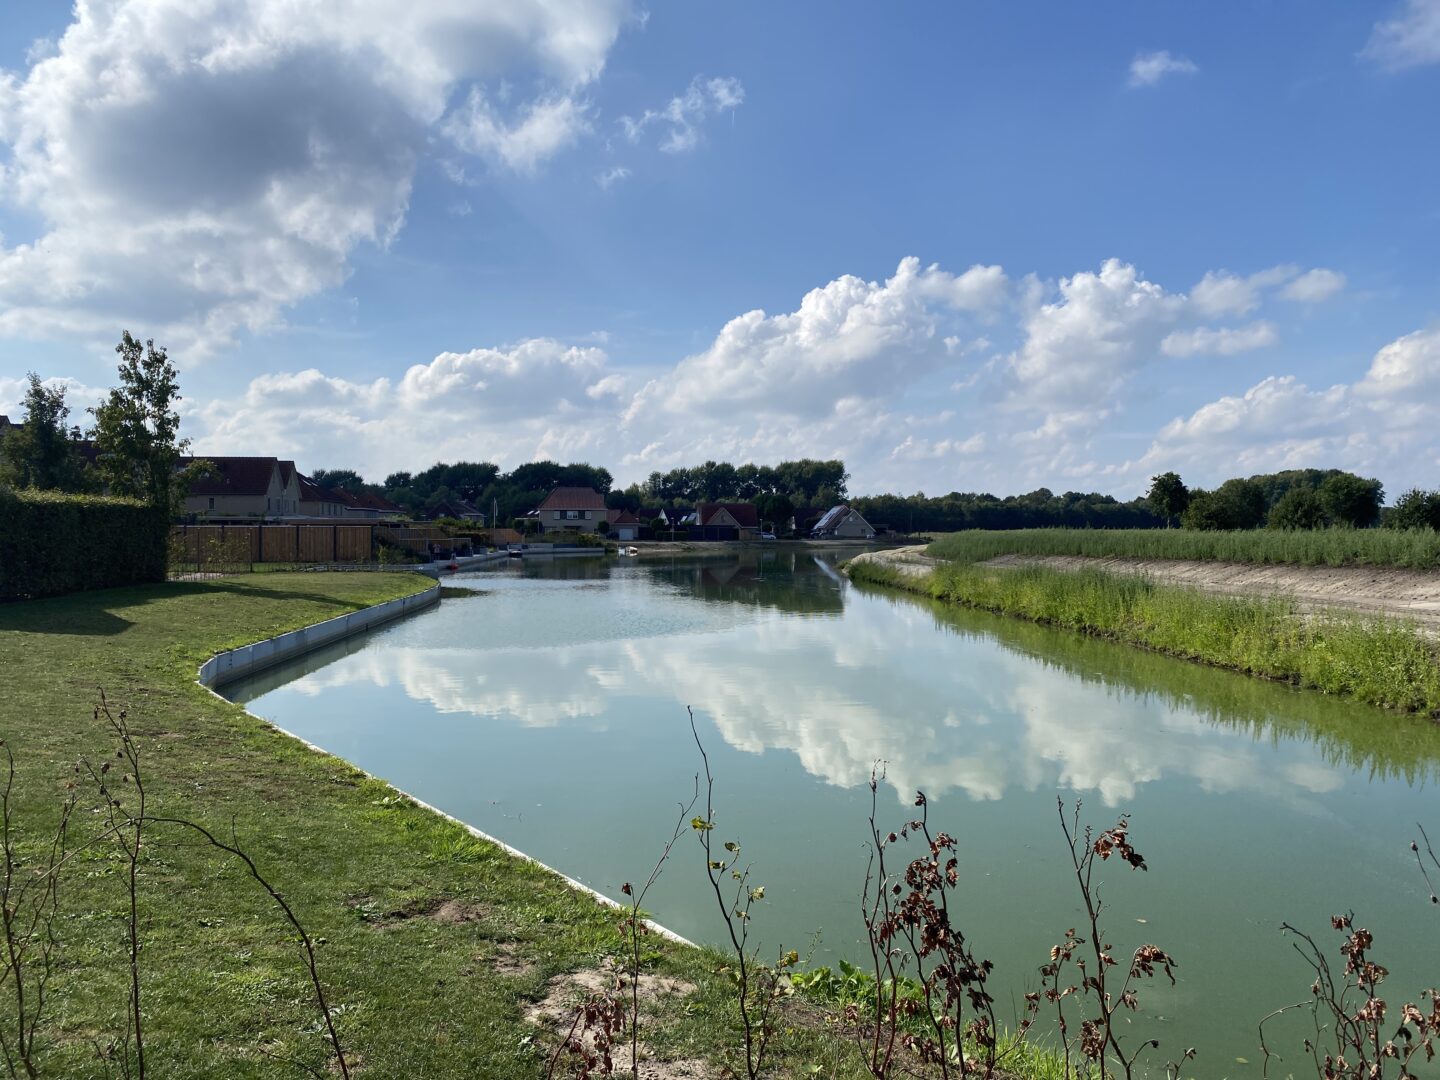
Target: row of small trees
1293	499
134	435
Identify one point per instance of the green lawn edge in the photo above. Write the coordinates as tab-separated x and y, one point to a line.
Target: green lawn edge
365	868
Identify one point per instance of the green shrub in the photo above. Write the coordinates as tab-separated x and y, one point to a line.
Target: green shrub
52	543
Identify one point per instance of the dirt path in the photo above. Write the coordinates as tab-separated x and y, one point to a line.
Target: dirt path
1413	594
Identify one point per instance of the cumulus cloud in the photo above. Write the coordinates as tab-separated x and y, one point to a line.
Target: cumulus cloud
508	404
199	168
1313	286
1102	328
683	117
1223	341
848	338
1410	38
1382	424
1147	69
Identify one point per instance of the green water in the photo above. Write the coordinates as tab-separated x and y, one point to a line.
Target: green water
549	711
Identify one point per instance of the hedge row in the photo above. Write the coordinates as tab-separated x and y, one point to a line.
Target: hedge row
52	543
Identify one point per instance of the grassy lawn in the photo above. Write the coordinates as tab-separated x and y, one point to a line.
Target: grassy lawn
1412	548
430	942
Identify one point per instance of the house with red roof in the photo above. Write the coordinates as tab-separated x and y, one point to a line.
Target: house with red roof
572	510
726	521
245	487
623	524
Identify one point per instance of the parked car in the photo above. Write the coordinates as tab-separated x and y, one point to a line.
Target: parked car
767	536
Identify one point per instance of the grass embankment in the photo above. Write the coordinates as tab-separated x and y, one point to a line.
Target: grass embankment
1378	661
1417	549
431	942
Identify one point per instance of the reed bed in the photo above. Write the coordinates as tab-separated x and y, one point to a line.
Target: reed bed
1417	549
1375	660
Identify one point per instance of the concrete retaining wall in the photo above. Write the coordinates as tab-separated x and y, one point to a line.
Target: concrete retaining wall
248	659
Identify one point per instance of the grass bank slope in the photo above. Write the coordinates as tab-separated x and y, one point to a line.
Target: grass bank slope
431	943
1412	548
1378	661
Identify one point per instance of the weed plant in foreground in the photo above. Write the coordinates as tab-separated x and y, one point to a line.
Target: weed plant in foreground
1416	549
1375	660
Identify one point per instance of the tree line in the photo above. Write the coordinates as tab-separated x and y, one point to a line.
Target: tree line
1291	499
132	447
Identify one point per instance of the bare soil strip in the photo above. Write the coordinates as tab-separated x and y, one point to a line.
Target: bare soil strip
1384	590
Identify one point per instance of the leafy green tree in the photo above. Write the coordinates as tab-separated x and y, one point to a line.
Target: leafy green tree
775	510
1415	509
136	431
1205	512
1168	496
41	452
1298	508
1351	500
340	480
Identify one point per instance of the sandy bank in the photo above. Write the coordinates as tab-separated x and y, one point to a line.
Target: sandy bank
1413	594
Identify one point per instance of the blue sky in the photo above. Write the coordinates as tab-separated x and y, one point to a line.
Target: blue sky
964	246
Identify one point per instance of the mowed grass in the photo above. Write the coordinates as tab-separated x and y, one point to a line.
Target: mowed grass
225	992
1378	661
1417	549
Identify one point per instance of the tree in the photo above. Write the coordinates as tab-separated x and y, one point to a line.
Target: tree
41	452
1168	496
1352	500
339	480
1415	509
1298	508
137	428
775	509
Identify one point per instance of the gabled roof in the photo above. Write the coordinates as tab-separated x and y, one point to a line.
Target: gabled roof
745	514
313	492
621	517
833	517
573	498
236	475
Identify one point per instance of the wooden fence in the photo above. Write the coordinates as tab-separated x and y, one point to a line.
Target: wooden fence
274	543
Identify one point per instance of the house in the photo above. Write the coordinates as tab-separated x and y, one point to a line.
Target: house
571	509
459	509
725	521
623	524
316	501
368	507
842	523
245	487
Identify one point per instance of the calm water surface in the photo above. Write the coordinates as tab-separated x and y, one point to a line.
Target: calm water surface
549	711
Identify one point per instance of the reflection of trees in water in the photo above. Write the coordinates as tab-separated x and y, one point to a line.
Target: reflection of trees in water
1380	744
785	581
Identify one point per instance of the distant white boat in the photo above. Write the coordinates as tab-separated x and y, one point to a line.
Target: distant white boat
629	551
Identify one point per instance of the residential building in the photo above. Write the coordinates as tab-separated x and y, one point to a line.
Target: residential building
245	487
316	501
623	524
725	521
842	523
459	509
571	509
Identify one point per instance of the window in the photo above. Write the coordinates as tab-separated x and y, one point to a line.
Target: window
557	515
212	502
585	514
572	515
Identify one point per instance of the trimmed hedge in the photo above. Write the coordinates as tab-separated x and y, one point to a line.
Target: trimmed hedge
51	543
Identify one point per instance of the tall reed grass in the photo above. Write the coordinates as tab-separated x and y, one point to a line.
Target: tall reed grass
1413	548
1375	660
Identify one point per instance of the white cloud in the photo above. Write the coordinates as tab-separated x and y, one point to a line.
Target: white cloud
542	129
1314	286
508	405
612	176
1220	292
1103	328
199	166
1410	38
685	114
1381	425
1147	69
848	338
1223	341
